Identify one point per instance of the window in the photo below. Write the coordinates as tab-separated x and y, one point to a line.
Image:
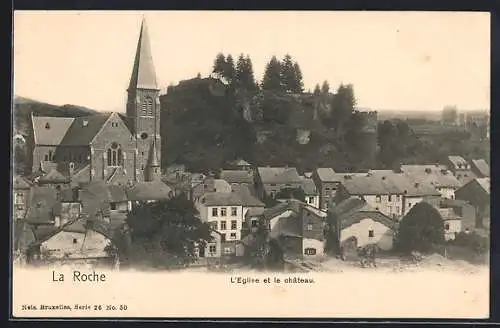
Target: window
46	157
215	211
147	106
378	199
213	225
370	233
212	249
223	211
227	250
114	154
397	209
75	241
447	226
47	125
254	223
234	211
310	251
311	200
112	206
233	235
19	199
398	197
309	227
409	205
390	198
223	225
234	225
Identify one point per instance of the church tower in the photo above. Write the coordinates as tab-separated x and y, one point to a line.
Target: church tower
143	108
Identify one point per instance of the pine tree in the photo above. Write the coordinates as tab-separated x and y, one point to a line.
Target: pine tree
244	74
317	90
325	88
343	105
288	75
272	76
299	84
219	64
229	71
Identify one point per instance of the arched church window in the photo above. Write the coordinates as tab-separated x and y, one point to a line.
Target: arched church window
115	155
147	106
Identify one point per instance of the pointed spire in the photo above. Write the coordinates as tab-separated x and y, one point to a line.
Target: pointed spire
143	73
153	156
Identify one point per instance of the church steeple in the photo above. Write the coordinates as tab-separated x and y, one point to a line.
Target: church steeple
143	109
143	74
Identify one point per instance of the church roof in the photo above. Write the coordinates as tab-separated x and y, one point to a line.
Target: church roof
143	73
50	131
84	129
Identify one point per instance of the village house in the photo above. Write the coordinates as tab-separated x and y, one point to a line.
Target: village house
225	212
326	182
22	196
240	164
271	180
297	228
464	210
452	222
433	174
477	193
460	168
480	168
354	223
238	177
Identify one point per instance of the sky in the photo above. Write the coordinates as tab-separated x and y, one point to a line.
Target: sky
395	60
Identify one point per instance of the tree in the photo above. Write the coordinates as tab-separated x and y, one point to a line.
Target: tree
317	90
219	64
325	88
298	86
343	105
229	70
287	74
244	74
420	229
172	224
272	76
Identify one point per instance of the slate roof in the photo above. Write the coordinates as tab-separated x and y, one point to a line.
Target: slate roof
20	182
80	134
221	199
50	131
326	174
484	183
143	73
53	176
448	214
237	176
482	166
153	190
353	210
308	186
436	175
240	162
222	185
279	175
43	200
457	160
247	198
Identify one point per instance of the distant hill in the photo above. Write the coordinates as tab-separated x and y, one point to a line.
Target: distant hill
24	107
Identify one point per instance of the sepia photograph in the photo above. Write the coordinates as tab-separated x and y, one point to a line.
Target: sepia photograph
298	164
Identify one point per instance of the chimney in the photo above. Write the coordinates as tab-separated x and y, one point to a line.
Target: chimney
85	123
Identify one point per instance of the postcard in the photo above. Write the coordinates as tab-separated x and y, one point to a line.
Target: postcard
263	164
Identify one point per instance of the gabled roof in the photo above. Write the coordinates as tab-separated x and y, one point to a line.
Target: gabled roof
308	186
448	214
222	185
247	198
84	129
50	131
457	160
237	176
482	166
143	73
153	190
484	183
353	210
326	174
279	175
221	199
435	175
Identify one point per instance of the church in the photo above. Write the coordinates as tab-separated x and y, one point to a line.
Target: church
109	147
